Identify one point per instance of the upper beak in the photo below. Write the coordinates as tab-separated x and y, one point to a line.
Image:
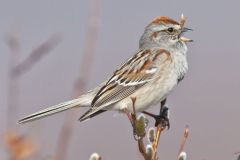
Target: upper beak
187	29
184	39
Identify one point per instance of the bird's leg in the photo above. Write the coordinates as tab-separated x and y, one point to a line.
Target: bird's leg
162	118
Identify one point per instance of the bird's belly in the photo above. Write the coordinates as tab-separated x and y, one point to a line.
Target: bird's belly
148	96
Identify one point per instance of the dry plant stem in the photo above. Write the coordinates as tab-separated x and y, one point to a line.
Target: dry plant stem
182	21
236	153
129	115
36	55
160	128
12	98
142	148
157	138
85	68
17	71
134	109
184	139
20	146
141	145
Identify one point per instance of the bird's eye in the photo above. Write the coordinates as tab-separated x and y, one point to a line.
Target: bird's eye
170	29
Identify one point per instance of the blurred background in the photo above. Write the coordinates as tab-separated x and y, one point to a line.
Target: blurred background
54	50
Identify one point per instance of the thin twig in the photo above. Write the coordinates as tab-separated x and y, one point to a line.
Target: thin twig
12	98
36	55
134	109
160	128
182	21
79	87
142	148
141	145
140	132
17	71
184	139
236	153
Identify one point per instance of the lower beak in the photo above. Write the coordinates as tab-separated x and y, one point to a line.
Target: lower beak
184	39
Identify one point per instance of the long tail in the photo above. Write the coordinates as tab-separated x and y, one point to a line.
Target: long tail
81	101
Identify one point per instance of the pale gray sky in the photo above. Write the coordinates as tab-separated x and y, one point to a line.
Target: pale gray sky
207	100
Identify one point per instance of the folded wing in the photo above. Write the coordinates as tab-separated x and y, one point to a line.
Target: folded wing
135	73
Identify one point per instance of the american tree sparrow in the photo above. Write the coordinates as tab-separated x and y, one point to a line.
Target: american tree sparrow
149	76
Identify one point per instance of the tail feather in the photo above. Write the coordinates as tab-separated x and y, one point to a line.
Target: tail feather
54	109
89	114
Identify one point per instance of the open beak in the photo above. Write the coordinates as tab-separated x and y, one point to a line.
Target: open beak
184	29
184	39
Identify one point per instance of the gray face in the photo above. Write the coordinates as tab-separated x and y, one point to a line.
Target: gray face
164	35
167	34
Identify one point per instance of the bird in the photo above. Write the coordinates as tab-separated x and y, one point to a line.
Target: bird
150	75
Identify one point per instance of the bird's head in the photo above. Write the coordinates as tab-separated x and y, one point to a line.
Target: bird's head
164	32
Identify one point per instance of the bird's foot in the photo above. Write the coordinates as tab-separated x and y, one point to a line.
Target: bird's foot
162	119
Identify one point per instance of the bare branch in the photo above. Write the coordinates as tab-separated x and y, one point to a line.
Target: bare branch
160	128
36	55
13	87
184	139
16	71
182	21
236	153
139	129
85	68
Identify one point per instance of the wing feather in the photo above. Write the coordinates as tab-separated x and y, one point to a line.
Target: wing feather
136	72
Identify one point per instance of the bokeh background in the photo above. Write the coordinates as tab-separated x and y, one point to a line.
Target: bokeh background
207	100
